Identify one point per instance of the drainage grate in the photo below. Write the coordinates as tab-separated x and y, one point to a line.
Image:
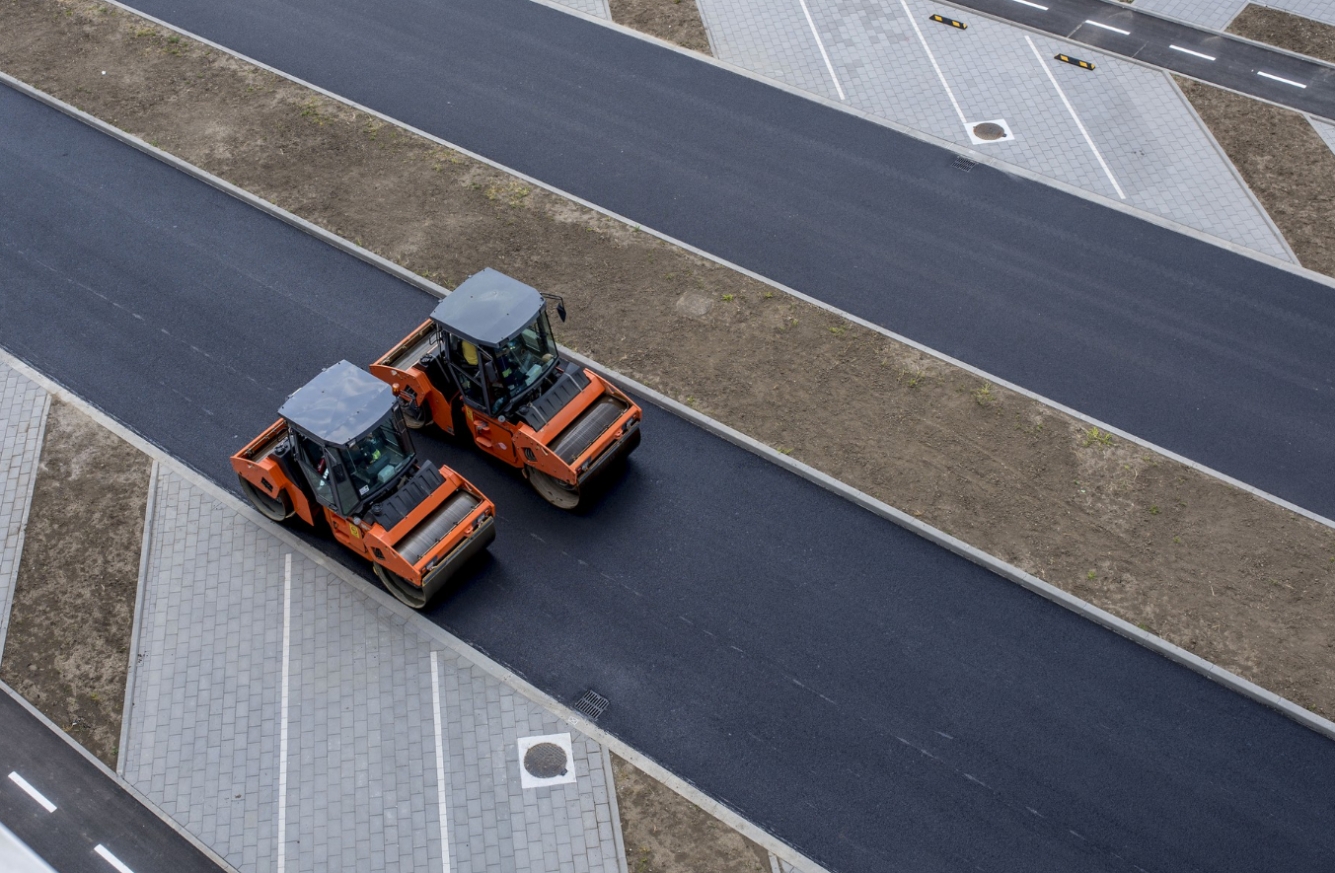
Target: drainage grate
591	704
963	163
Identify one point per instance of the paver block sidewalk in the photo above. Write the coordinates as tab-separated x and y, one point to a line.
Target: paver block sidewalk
204	727
22	407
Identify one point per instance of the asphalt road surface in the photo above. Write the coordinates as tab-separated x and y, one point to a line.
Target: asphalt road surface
1116	28
92	818
869	697
1210	354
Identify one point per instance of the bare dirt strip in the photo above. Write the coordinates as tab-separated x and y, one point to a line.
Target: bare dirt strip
677	21
1231	577
68	645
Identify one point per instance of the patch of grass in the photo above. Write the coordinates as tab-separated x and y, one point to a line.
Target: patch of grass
983	396
1091	575
1154	509
1096	437
728	298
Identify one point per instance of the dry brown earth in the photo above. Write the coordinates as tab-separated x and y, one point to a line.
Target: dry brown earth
67	650
676	21
1229	576
665	833
1286	30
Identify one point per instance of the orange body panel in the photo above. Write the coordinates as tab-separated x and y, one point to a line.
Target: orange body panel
255	464
504	440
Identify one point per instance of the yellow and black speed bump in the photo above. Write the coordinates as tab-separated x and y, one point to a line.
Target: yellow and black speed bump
1067	59
941	19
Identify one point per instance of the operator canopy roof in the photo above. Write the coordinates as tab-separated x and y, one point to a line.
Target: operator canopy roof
488	308
340	404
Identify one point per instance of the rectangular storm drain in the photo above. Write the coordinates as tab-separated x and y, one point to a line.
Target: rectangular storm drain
963	163
591	704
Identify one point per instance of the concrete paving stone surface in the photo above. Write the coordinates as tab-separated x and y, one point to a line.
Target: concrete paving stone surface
22	406
1155	146
589	7
204	732
1326	131
1216	14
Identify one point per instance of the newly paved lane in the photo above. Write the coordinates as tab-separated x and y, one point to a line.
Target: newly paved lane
1210	354
876	701
90	810
1302	84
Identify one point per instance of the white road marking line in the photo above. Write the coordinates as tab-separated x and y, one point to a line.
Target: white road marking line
1108	27
931	57
112	859
440	765
820	45
1071	109
1280	79
282	717
1187	51
1027	3
32	792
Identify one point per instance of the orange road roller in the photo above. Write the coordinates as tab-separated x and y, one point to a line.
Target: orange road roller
340	452
485	366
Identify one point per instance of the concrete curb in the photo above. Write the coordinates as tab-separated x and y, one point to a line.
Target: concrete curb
128	707
413	620
106	771
8	601
432	288
1033	583
956	148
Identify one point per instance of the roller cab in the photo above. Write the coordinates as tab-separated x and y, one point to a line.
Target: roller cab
486	367
340	451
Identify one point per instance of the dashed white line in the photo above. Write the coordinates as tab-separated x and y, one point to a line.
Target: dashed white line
931	57
112	859
1027	3
1280	79
32	792
282	716
1108	27
820	45
1071	109
440	765
1187	51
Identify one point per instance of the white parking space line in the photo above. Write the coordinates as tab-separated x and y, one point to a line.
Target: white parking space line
442	813
1280	79
32	792
935	66
1027	3
1108	27
112	859
1187	51
1076	118
282	716
820	45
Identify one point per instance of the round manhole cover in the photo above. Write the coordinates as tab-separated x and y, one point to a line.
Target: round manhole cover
545	761
989	130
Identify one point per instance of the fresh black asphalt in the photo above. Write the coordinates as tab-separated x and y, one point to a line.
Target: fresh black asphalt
869	697
91	809
1207	353
1236	63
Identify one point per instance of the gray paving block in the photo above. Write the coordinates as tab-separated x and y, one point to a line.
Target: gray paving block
1326	131
361	762
22	405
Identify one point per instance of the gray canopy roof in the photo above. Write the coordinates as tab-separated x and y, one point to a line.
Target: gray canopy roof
339	405
488	308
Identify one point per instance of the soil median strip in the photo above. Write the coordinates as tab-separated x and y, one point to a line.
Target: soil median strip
1228	576
68	645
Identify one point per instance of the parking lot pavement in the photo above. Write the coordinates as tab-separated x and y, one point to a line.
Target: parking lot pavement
360	786
1122	130
23	408
1216	14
